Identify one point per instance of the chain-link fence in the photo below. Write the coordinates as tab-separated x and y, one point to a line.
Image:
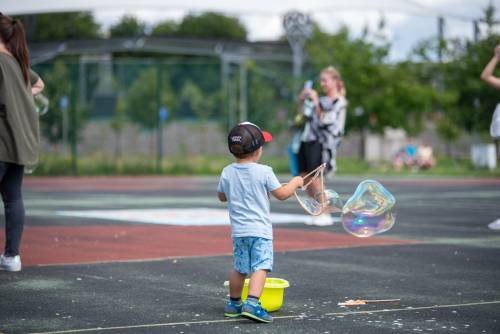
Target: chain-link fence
122	110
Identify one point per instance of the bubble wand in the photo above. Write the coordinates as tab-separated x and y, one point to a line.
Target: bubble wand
313	175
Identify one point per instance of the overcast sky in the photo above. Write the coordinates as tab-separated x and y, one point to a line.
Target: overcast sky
408	21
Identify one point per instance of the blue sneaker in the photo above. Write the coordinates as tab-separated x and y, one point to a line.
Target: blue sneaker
232	310
255	312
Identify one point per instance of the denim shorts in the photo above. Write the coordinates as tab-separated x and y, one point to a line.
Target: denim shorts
252	254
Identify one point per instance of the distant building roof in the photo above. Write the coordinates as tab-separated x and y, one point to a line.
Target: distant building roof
273	51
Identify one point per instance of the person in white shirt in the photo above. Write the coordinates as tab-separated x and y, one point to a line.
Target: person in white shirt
494	81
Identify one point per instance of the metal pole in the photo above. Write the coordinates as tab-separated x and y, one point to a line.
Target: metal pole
65	130
297	66
243	91
232	104
83	80
74	121
224	87
159	133
297	61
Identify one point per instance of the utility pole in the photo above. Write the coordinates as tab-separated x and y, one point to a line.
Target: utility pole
477	32
440	38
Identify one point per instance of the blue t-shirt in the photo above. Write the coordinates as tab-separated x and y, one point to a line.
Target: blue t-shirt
247	188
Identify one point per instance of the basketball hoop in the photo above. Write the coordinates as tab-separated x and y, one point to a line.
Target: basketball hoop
298	27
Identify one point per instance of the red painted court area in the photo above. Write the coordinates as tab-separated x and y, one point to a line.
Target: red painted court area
51	245
109	183
156	183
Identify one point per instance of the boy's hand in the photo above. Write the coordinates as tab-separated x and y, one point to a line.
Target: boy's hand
298	181
288	189
497	51
222	197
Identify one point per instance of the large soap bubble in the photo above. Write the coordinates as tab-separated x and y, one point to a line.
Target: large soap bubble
369	211
41	104
330	201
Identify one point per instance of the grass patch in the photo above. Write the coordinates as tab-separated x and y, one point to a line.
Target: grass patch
212	165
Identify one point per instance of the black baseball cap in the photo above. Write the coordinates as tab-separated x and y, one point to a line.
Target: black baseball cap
247	137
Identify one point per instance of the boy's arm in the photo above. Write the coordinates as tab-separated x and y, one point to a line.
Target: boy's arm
221	188
221	196
288	189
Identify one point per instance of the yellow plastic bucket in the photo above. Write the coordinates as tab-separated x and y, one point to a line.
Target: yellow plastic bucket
272	296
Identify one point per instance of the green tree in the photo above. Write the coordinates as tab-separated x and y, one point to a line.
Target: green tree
118	123
60	26
476	100
193	101
466	103
141	101
128	26
490	18
267	103
448	131
165	28
389	94
58	84
212	25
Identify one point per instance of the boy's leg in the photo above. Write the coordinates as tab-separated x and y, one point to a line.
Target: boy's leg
261	264
237	277
257	282
234	305
236	282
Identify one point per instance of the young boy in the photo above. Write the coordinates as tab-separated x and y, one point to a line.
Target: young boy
246	185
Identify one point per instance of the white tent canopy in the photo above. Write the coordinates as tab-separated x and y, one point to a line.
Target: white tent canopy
255	7
407	21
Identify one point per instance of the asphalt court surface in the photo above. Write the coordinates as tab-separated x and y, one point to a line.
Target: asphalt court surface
440	259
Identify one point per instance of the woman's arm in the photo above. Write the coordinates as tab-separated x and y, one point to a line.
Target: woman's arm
37	87
341	120
487	74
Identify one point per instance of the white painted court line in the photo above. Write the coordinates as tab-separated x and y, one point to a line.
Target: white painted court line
182	217
207	322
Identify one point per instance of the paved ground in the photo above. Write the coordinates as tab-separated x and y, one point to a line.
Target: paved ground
96	275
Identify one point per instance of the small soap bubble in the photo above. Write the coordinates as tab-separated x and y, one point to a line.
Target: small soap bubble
41	104
30	169
369	211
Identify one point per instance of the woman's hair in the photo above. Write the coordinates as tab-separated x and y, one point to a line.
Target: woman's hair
335	75
332	71
14	39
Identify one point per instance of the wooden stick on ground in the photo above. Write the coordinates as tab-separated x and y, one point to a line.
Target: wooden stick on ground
353	302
